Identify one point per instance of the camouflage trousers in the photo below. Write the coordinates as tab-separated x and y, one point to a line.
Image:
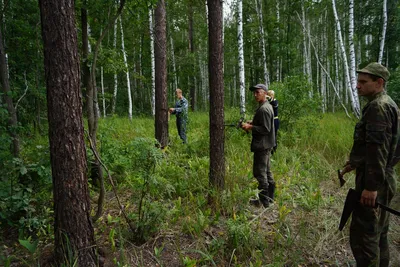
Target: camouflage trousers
369	226
262	172
181	126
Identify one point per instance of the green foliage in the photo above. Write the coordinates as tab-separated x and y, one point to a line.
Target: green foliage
295	101
31	246
393	86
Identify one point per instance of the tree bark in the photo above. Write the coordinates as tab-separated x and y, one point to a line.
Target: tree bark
160	51
216	81
263	46
383	37
353	94
73	229
115	93
192	88
128	80
352	52
8	101
241	59
153	67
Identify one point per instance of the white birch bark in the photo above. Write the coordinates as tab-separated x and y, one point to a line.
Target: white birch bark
102	90
241	60
260	18
351	47
114	99
128	80
384	26
174	64
353	94
323	69
153	64
306	51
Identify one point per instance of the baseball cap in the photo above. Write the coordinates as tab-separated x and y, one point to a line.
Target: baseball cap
376	69
259	86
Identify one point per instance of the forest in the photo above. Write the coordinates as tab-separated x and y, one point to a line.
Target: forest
92	169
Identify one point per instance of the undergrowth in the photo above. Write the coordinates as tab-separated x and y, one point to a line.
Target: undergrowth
165	194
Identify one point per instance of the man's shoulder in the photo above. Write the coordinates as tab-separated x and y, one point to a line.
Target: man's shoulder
382	103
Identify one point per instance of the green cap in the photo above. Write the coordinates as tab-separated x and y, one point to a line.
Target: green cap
376	69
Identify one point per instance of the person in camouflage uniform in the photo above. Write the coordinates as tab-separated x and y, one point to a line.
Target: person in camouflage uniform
181	112
263	133
373	156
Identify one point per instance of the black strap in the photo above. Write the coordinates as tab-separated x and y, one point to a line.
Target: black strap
395	212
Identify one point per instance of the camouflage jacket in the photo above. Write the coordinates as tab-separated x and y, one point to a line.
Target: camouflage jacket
181	108
375	140
263	128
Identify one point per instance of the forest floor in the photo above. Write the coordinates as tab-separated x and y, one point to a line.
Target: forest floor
300	229
325	246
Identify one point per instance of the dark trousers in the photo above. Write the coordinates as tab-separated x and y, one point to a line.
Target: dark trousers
181	126
262	172
369	226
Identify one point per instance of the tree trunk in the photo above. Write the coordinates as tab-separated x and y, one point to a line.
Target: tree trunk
174	64
216	84
115	93
353	93
160	51
128	80
192	51
263	46
384	26
241	59
102	91
153	68
73	229
7	99
352	52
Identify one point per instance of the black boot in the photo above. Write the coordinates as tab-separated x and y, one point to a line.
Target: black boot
271	192
264	198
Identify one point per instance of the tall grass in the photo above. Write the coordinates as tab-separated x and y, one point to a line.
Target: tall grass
299	229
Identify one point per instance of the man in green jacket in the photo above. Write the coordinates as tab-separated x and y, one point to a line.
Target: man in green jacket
373	156
263	133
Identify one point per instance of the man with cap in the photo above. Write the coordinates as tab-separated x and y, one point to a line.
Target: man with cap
373	156
263	133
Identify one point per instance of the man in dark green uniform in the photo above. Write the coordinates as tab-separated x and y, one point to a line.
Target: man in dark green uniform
263	133
373	157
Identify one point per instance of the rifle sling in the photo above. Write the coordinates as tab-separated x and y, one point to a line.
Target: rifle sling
395	212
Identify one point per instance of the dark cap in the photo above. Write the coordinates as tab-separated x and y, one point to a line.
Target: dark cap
259	86
376	69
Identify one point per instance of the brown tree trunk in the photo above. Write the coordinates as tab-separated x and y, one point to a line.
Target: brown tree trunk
215	69
160	52
73	229
7	99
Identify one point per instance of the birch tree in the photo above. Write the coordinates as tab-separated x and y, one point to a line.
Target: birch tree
351	47
384	26
115	92
262	39
353	93
241	59
153	68
128	80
